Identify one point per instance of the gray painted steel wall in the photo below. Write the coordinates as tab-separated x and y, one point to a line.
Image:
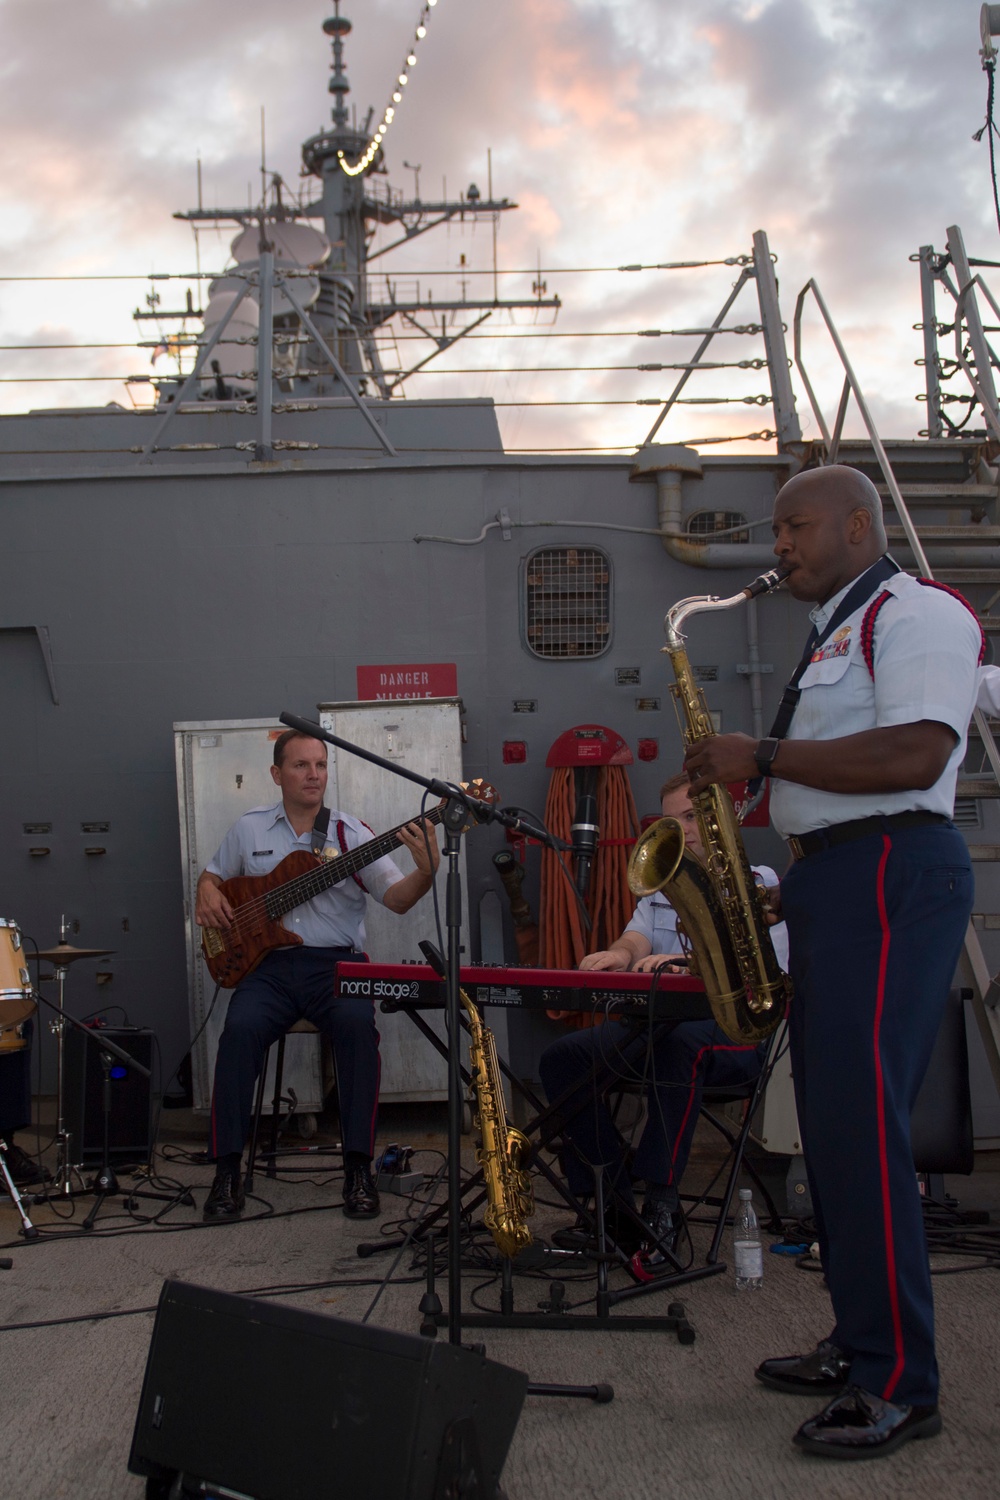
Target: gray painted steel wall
232	593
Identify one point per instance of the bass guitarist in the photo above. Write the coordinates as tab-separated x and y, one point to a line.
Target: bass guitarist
296	981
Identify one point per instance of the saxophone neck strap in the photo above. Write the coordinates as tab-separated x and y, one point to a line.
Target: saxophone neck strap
862	590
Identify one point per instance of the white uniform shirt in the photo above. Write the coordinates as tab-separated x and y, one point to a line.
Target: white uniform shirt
926	654
262	837
988	695
656	921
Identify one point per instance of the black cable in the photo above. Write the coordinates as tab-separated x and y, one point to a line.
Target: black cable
132	1312
387	1278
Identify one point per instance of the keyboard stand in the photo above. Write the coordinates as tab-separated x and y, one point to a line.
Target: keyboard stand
544	1127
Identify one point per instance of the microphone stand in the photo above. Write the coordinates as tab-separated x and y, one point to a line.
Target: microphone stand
459	805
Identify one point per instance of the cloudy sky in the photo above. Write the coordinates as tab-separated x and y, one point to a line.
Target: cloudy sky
626	130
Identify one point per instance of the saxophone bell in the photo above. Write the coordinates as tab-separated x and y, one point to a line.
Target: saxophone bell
714	894
656	857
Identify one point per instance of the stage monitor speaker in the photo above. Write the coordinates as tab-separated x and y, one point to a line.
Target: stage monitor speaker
130	1122
272	1402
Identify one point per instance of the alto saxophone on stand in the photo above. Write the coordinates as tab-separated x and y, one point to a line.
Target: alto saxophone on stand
503	1151
720	906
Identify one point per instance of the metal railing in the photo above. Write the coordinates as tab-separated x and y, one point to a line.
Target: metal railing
758	268
987	1014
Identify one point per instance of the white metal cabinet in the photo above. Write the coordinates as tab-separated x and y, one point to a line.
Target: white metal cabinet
223	770
424	735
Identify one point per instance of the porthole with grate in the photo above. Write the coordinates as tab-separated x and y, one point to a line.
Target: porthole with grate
720	525
567	602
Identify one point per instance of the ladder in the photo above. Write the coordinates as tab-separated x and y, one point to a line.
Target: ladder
952	485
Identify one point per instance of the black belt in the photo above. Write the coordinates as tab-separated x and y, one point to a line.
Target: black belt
804	844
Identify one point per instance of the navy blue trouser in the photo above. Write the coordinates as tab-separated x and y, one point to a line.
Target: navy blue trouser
289	985
15	1089
876	929
682	1058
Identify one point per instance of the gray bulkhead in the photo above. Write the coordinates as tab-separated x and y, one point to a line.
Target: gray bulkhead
201	586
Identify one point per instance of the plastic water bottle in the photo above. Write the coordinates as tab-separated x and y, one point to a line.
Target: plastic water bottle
748	1252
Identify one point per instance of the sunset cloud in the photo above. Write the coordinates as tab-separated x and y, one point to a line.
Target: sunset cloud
628	130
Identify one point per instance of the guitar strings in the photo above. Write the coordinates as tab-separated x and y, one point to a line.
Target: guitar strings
315	882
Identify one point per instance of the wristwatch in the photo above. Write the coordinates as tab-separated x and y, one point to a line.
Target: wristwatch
764	755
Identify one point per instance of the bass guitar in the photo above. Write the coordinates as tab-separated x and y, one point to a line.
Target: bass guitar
260	901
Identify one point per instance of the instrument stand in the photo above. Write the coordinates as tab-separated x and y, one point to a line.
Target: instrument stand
105	1183
27	1228
458	806
546	1125
60	958
62	1180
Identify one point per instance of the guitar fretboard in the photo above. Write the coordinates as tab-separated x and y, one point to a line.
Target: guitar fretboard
332	871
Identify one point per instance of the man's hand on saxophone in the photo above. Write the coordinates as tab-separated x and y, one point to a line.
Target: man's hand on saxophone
720	758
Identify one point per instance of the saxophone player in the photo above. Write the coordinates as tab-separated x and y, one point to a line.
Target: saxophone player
877	901
682	1058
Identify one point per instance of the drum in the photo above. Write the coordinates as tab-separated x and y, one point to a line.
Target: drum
16	1002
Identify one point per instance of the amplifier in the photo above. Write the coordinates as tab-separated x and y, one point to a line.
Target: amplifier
269	1402
130	1120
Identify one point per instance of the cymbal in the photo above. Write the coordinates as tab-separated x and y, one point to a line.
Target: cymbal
65	953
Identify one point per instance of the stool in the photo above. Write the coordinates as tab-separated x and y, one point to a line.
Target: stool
751	1093
276	1102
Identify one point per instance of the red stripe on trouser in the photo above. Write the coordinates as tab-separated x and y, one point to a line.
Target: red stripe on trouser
709	1047
890	1252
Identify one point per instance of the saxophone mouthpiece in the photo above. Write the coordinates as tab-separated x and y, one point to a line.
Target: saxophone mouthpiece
767	582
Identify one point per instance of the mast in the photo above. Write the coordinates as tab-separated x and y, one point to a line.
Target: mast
354	197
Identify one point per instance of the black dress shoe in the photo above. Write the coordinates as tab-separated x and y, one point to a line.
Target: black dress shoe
360	1193
664	1227
620	1229
860	1425
820	1373
226	1197
24	1169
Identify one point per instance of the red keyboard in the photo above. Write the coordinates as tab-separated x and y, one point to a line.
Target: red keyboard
677	997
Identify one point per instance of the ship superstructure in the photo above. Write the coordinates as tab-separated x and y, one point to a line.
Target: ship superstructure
274	527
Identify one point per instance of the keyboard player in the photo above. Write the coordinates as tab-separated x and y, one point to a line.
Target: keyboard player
682	1058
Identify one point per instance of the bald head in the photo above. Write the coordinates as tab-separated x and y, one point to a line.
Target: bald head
828	529
841	489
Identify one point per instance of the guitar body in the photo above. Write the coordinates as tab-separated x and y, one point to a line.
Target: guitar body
232	955
259	901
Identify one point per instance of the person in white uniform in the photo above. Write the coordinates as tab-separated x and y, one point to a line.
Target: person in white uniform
297	981
877	901
677	1060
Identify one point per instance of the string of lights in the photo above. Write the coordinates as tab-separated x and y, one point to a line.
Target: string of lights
389	113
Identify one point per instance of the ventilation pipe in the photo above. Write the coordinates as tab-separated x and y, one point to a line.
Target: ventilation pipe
669	464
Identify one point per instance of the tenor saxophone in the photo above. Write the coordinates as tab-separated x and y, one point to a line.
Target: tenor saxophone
503	1151
720	906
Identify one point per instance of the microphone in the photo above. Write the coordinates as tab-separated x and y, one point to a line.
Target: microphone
584	833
